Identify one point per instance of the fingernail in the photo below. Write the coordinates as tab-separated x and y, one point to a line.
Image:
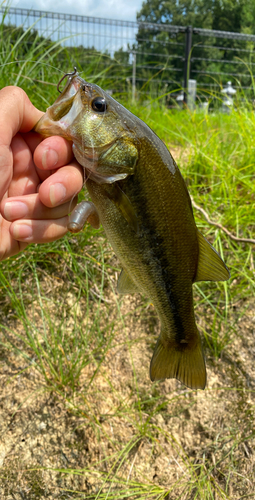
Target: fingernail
15	210
49	158
21	231
57	193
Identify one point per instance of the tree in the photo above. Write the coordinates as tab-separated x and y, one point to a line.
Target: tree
182	12
222	15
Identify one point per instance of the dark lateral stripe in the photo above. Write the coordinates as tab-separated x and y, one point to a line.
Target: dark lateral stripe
156	259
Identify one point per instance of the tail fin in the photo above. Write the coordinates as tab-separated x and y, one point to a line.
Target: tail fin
186	364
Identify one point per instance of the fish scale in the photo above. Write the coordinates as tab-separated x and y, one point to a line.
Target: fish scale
157	249
141	199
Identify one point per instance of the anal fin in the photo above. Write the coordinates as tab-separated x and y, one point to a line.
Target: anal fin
126	284
210	265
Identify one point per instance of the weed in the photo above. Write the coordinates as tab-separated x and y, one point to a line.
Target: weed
112	434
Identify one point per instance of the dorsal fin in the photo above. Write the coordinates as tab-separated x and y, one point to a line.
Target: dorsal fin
126	284
210	265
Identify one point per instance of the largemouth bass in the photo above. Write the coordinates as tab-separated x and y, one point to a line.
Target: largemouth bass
141	199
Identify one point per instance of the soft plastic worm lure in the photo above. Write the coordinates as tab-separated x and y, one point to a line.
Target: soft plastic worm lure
82	213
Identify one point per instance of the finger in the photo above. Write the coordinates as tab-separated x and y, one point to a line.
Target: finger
17	114
25	179
32	139
62	186
31	207
30	231
9	246
52	153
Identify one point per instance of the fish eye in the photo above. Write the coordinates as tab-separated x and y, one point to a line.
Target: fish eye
99	104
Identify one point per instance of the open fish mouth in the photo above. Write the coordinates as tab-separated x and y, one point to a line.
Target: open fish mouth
63	112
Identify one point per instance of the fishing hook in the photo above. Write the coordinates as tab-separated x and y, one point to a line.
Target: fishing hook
63	77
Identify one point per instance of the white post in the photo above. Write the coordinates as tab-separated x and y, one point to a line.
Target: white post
192	91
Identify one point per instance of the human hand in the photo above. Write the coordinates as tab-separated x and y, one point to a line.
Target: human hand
39	179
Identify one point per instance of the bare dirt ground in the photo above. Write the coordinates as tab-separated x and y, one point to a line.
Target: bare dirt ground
212	430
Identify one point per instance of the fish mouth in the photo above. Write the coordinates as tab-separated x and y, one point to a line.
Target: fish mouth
60	116
59	120
67	107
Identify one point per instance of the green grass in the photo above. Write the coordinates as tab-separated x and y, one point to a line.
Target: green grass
63	325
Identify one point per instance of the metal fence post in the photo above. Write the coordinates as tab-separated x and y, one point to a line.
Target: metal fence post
133	76
188	45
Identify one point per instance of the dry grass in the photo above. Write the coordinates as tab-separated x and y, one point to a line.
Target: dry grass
116	435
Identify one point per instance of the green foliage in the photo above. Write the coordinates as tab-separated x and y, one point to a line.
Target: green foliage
52	338
181	13
27	59
31	61
226	15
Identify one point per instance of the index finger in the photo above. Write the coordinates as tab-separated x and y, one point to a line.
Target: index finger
17	114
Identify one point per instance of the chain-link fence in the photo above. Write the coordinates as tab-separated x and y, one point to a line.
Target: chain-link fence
154	58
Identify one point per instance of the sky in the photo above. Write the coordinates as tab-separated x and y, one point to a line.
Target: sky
111	9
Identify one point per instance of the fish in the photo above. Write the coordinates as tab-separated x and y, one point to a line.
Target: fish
140	197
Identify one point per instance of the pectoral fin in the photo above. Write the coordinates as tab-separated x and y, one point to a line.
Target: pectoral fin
122	202
210	265
126	284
